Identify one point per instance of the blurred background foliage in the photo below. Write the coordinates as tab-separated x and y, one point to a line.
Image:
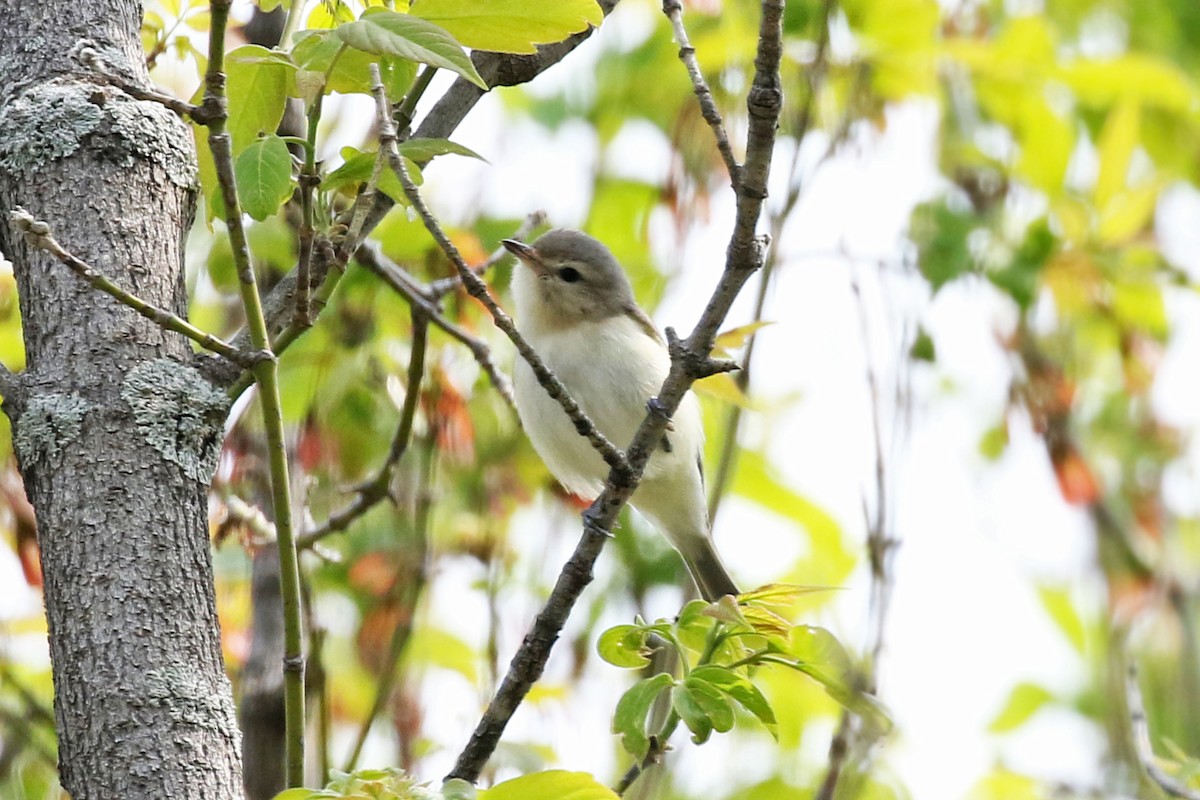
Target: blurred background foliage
1062	126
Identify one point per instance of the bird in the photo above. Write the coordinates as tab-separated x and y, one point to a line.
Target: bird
574	304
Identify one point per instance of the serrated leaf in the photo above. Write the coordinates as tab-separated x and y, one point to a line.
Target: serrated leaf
403	36
256	84
424	150
510	26
629	719
264	177
1023	702
741	690
623	646
550	785
347	68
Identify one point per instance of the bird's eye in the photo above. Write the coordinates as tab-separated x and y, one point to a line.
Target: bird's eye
569	274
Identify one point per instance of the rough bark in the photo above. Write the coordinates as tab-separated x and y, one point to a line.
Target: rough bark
115	436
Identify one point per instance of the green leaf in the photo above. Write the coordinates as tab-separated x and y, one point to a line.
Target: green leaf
741	690
390	34
358	168
294	794
257	87
624	646
712	700
1024	701
687	703
629	719
941	236
820	655
321	52
510	26
553	784
264	177
424	150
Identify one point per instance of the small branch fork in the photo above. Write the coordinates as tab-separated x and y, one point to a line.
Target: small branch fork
476	287
689	362
37	234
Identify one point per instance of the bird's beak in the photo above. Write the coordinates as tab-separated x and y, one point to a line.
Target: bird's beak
526	253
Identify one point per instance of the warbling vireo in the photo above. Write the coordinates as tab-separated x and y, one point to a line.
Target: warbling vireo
575	307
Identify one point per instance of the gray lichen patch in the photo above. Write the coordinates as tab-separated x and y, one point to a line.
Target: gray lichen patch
51	121
45	123
144	128
178	413
188	699
48	423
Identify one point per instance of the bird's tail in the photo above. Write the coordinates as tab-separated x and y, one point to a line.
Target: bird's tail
707	570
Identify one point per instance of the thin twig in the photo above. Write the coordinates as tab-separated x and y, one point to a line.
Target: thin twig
689	361
37	234
443	286
476	287
266	374
708	106
372	491
418	296
86	54
1140	727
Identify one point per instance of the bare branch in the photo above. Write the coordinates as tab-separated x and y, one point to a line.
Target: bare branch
689	360
708	106
37	234
478	289
86	54
418	297
444	286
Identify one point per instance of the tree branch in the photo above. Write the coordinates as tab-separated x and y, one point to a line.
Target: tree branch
689	361
476	287
443	286
37	234
374	490
418	296
708	106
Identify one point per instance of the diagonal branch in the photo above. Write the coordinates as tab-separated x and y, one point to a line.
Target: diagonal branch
708	106
476	287
37	234
689	361
418	297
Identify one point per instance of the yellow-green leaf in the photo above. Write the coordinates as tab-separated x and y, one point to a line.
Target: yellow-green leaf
1128	213
1024	701
555	784
1117	142
257	83
723	387
510	26
734	338
402	36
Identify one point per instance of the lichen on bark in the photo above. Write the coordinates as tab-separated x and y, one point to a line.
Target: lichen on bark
53	120
178	413
48	423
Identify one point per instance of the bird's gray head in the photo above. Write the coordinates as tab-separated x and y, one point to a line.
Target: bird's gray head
569	277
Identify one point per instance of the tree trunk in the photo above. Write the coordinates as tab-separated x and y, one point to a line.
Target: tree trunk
116	435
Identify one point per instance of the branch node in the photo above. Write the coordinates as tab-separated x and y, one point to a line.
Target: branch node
293	664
